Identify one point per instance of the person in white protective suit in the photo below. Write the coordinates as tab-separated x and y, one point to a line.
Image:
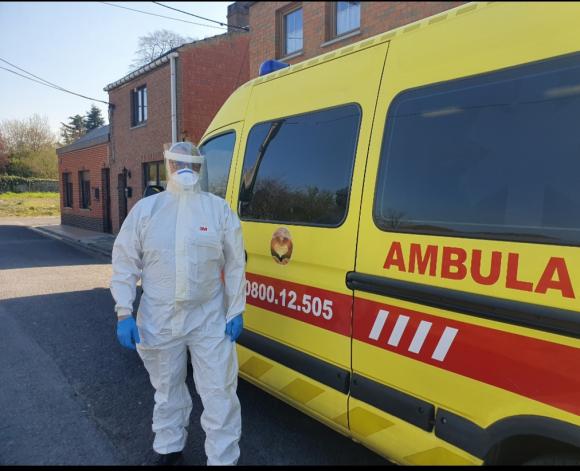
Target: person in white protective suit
186	246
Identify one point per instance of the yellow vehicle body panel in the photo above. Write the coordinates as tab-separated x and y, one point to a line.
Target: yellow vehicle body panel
319	267
434	54
490	372
320	402
404	445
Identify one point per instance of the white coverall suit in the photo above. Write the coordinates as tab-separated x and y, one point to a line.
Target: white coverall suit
178	242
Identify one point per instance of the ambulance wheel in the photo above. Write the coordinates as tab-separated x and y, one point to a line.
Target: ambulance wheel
558	459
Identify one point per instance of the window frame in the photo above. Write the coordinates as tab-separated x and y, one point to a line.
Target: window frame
67	184
496	237
84	186
146	165
139	106
302	224
334	23
216	136
282	39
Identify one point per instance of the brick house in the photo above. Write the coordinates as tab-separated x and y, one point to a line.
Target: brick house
173	98
84	181
296	31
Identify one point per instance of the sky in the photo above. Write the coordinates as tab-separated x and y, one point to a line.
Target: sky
81	46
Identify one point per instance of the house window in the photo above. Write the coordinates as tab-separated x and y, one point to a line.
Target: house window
347	17
154	174
292	32
85	189
67	190
138	105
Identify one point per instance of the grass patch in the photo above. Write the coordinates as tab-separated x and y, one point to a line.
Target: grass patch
29	204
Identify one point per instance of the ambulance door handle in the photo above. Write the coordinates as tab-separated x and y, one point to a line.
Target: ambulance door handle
246	254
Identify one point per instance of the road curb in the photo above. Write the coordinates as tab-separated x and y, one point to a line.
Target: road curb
85	246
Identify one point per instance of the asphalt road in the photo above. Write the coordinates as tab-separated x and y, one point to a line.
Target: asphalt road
70	395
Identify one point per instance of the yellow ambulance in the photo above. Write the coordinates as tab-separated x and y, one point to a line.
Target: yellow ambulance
411	215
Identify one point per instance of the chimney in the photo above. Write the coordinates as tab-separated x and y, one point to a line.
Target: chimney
238	15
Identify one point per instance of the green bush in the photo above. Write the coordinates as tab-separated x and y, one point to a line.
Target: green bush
10	183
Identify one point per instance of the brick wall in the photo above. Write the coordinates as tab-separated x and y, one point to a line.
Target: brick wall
132	146
376	18
93	159
84	222
208	71
238	15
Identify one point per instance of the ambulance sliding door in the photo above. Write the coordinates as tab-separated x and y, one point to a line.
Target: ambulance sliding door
467	261
300	188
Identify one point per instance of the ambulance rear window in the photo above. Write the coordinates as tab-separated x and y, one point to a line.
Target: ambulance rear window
495	156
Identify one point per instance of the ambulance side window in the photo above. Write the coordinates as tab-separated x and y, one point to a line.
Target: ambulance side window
298	169
495	156
218	153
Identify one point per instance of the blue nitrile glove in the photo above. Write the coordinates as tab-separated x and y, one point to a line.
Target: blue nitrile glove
127	333
234	327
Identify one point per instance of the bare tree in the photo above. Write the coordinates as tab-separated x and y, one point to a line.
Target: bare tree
27	135
155	44
28	147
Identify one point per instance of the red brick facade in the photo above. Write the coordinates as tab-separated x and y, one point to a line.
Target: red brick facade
209	75
93	159
133	146
375	18
207	72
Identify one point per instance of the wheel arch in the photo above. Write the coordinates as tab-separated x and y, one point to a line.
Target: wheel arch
518	439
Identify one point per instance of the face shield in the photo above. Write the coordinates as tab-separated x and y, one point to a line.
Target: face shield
185	166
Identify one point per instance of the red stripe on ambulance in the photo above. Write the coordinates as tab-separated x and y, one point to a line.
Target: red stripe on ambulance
540	370
534	368
326	309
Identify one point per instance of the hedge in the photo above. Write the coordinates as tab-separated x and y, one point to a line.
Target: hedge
9	183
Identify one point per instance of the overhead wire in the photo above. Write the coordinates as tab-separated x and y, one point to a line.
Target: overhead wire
244	28
46	83
161	16
54	85
29	78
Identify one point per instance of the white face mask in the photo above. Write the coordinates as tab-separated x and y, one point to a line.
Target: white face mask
187	177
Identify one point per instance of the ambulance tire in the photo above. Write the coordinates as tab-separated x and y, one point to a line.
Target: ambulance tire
557	459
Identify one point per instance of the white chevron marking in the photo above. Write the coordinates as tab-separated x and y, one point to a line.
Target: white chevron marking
398	330
444	343
379	324
420	336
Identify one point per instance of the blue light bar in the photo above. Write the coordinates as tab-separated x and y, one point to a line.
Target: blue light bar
271	66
